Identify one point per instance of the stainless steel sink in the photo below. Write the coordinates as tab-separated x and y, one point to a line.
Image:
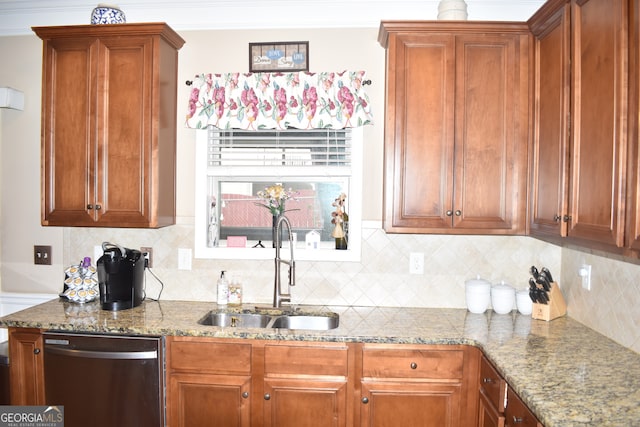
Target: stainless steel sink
271	320
316	323
236	320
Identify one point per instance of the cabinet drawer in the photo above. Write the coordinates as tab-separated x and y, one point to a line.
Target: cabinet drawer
204	356
492	385
412	363
517	414
305	360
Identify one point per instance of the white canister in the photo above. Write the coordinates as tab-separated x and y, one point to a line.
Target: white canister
503	298
524	303
477	295
452	10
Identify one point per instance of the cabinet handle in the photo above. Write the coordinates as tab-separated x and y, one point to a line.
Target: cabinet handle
414	365
36	351
566	218
267	396
365	400
449	212
245	394
458	212
517	420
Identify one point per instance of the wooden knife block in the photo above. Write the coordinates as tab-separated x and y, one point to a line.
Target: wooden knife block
552	310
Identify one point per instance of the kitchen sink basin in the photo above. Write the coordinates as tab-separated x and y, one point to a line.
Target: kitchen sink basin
271	320
316	323
236	320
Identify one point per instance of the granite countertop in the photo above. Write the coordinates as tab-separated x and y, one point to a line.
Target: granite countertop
568	374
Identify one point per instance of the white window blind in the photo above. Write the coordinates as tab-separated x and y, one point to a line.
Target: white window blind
310	148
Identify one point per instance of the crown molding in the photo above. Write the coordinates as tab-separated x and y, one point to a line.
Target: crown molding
18	16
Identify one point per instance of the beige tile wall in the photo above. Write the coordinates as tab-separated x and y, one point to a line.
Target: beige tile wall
382	278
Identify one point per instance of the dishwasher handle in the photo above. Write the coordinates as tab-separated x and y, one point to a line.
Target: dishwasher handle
92	354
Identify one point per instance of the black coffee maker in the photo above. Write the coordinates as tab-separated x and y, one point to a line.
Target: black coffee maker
120	277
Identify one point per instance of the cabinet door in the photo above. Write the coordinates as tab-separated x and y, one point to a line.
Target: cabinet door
491	120
305	403
455	140
599	102
124	136
410	404
633	208
549	200
419	131
209	400
68	128
305	385
26	370
208	382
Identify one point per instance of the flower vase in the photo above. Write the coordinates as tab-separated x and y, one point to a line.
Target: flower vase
273	230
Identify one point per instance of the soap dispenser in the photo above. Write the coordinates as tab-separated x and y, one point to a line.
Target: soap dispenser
223	290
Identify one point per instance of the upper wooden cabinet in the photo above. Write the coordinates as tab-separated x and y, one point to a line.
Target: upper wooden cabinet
633	194
456	127
109	116
580	134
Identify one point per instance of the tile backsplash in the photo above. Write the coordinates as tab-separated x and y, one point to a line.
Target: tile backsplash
382	277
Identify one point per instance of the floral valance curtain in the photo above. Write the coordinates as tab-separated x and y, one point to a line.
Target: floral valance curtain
302	100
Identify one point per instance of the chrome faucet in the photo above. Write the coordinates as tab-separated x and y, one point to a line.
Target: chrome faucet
278	296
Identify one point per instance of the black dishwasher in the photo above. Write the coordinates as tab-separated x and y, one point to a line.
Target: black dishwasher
105	380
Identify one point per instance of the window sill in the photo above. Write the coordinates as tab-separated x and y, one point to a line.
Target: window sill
268	252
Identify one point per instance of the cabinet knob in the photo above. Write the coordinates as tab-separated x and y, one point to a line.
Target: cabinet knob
517	420
458	212
245	394
557	218
487	380
267	396
98	207
414	365
566	218
36	351
449	212
89	207
365	400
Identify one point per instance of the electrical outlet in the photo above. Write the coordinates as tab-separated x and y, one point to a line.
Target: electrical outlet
184	259
416	263
42	255
147	251
585	273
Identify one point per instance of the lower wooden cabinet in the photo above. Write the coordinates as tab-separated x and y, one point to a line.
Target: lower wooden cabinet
517	414
26	371
409	385
214	382
254	383
208	382
491	395
499	405
305	385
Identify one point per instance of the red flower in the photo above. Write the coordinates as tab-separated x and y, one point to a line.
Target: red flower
219	98
346	99
309	100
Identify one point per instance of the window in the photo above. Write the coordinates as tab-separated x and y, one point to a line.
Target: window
317	165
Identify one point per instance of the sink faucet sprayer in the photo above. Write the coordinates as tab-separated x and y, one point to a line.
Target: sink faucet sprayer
278	296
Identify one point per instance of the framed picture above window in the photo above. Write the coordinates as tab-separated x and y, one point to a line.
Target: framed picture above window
278	56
